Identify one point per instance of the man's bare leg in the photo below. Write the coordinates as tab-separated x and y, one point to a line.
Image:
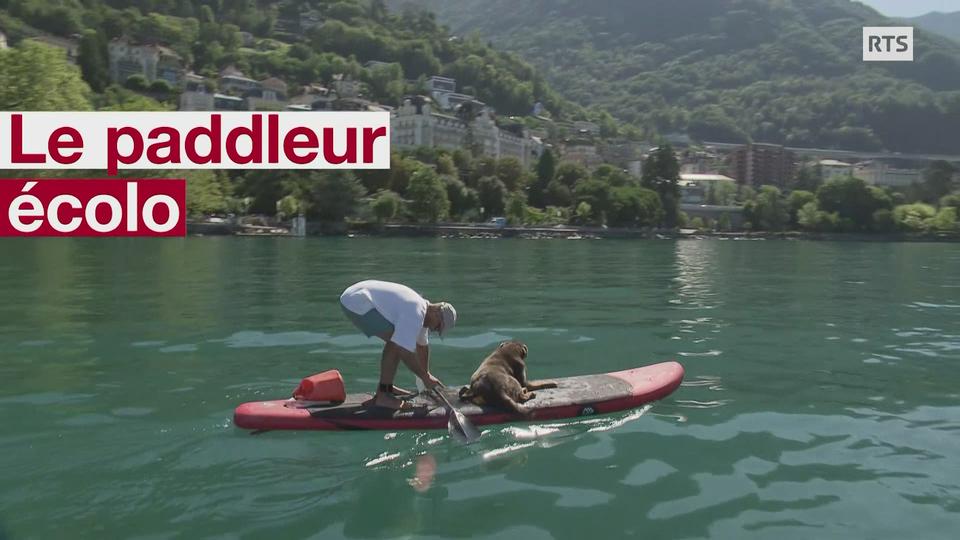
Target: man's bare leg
391	375
389	362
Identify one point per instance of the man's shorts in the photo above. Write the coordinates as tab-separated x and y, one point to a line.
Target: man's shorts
371	323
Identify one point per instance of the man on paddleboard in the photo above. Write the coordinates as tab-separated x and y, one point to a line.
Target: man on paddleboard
402	319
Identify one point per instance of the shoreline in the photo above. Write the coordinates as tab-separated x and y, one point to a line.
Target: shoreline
466	231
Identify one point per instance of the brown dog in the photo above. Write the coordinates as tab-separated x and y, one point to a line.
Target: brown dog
501	380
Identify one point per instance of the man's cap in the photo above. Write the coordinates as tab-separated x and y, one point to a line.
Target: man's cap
448	316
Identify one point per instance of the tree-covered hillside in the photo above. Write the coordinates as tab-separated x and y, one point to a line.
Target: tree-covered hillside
300	41
787	71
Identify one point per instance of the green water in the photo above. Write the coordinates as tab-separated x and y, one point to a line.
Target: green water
821	397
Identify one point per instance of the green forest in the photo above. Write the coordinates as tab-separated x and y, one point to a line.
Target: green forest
208	36
428	185
779	71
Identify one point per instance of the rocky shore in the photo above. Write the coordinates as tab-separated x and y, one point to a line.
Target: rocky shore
465	231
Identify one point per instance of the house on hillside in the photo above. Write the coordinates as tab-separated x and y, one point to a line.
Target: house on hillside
758	164
197	94
834	169
694	188
418	123
232	81
345	86
583	152
877	173
314	97
237	93
443	90
154	62
268	95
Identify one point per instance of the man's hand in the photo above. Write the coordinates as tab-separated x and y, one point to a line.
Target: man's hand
431	382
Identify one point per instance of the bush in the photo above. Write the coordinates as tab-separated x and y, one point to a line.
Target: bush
558	194
386	206
493	196
160	86
811	218
516	209
290	206
945	220
853	200
137	83
583	212
952	200
634	207
428	195
914	217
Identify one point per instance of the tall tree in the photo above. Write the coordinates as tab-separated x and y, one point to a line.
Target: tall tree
661	173
808	178
938	180
853	200
797	200
493	196
510	172
334	194
596	193
461	197
768	211
92	59
546	169
571	174
428	196
386	206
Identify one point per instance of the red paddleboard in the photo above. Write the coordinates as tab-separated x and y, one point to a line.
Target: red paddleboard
574	396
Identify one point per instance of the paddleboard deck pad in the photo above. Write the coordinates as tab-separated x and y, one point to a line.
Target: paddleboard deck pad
574	396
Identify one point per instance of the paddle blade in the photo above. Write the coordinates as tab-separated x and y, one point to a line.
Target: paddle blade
461	428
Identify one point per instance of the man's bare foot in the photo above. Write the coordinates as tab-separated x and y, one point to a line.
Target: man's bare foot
388	401
397	391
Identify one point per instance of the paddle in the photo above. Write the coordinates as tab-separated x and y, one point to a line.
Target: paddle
459	426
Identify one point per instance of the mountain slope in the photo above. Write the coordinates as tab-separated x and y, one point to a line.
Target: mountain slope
787	71
945	24
299	41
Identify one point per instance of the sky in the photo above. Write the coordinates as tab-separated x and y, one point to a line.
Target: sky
912	8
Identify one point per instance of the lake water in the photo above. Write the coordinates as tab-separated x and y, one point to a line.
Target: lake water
822	395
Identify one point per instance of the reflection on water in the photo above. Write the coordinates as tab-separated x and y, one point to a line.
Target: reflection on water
820	400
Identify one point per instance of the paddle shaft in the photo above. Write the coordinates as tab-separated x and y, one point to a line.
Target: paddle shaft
444	399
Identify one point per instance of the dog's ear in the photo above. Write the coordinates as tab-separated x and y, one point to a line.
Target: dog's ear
523	351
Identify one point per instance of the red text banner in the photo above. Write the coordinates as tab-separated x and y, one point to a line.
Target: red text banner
92	207
113	141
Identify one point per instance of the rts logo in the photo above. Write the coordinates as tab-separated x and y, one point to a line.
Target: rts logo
888	44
